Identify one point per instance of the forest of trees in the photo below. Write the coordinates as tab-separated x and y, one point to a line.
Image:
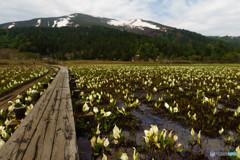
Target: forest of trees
111	44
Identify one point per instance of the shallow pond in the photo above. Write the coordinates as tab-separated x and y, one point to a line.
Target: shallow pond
147	116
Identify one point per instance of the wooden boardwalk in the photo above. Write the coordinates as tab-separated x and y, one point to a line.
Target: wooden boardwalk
48	131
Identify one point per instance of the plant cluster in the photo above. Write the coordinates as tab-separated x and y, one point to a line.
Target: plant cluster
25	100
205	98
13	76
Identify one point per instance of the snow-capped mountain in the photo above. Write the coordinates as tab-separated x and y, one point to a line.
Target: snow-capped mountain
137	23
43	33
137	26
72	20
77	19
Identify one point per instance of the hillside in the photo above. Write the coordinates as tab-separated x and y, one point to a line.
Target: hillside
234	41
79	36
138	26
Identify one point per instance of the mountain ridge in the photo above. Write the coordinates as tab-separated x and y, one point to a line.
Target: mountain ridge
137	26
88	37
70	19
78	19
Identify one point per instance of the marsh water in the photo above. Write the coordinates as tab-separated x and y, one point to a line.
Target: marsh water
146	116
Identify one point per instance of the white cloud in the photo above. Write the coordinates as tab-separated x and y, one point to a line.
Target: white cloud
13	10
213	17
209	17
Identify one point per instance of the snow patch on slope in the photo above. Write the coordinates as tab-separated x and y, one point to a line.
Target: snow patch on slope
63	22
38	23
119	23
54	23
72	15
138	23
11	25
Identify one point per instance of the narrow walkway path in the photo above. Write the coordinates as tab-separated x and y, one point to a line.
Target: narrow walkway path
13	95
48	132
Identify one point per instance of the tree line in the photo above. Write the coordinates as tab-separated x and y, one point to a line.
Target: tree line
103	43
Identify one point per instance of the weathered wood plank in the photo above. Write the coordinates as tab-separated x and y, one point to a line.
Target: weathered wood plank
60	139
66	79
65	138
50	131
72	151
43	128
38	132
47	126
32	132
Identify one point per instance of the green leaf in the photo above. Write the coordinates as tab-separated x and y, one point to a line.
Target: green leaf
98	147
180	149
105	126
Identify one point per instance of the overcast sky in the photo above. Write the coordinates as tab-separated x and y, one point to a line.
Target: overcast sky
208	17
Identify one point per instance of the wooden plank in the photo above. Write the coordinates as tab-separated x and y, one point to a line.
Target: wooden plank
65	138
65	144
73	149
34	132
66	79
50	131
44	131
59	139
50	115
